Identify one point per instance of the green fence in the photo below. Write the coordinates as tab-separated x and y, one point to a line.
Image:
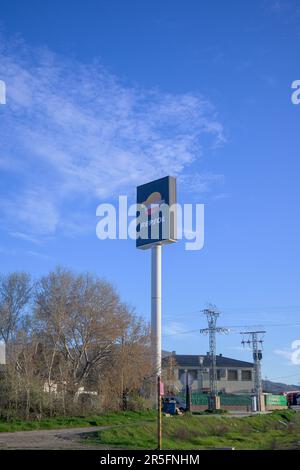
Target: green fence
275	400
235	400
226	399
196	398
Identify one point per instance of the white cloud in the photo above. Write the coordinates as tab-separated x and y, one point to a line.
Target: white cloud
7	251
35	212
76	133
276	6
285	11
292	354
177	329
200	183
25	236
38	255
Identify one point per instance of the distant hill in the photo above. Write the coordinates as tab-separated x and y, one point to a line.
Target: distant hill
277	387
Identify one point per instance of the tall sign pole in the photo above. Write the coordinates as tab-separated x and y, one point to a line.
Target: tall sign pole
156	307
156	330
156	226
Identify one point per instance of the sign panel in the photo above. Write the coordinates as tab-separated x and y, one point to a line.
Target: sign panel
156	213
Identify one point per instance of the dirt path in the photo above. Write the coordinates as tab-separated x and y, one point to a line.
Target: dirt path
49	439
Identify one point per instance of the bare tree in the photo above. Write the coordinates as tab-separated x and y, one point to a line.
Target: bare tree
169	378
15	291
129	369
80	317
78	335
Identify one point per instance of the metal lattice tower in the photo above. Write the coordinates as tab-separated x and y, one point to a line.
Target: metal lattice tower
212	315
255	341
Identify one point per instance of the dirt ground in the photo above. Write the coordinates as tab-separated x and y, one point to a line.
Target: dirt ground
49	439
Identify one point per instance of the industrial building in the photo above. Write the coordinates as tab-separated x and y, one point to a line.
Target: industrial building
233	376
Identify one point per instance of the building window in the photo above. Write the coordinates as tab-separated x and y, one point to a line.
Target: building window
221	374
247	375
232	374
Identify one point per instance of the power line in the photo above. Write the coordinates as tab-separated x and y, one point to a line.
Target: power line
252	312
181	333
261	325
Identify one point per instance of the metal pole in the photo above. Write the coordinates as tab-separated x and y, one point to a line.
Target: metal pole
187	392
159	420
156	328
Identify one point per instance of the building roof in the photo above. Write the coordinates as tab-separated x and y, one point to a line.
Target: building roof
190	360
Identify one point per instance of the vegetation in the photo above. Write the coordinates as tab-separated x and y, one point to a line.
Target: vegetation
277	430
137	430
107	419
72	347
77	355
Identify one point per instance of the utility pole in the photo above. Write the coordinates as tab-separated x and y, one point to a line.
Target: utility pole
187	391
212	315
254	340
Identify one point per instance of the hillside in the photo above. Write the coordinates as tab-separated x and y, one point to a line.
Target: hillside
278	387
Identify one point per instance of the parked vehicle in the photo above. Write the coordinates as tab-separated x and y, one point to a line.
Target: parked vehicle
293	397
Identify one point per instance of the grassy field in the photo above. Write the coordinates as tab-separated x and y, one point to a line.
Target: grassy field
133	430
108	419
278	430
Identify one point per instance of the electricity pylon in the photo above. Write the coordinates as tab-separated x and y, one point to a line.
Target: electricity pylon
212	315
255	341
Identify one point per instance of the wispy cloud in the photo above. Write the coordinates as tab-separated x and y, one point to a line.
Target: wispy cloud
270	81
35	210
292	353
200	183
7	251
73	133
277	6
31	253
286	11
25	237
38	255
177	329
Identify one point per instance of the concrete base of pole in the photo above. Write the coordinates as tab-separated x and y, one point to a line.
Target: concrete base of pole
214	402
261	401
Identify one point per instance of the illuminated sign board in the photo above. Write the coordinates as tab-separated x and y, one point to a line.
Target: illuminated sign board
156	213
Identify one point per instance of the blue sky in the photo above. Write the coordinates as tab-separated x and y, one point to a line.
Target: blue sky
105	95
